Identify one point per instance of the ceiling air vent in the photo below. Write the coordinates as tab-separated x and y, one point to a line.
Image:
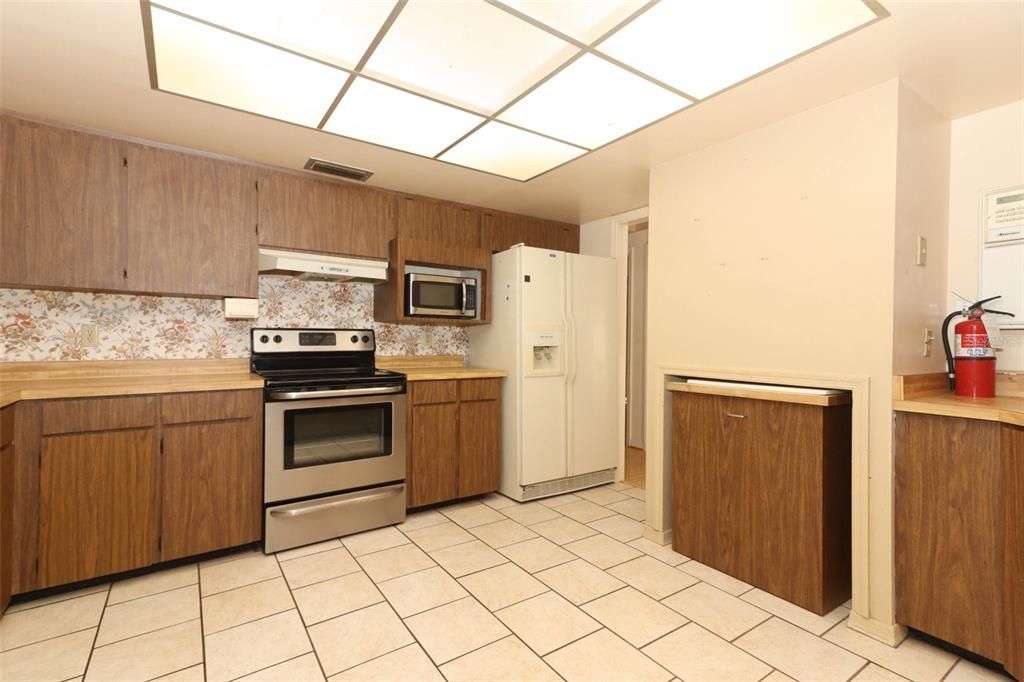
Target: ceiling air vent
338	170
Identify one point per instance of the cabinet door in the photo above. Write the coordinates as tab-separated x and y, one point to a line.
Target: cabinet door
190	224
6	504
306	214
497	231
60	221
433	453
696	433
438	221
212	497
1013	550
948	544
479	447
297	213
737	485
97	504
784	484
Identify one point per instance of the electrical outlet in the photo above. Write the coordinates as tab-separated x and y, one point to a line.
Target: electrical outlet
428	337
922	251
90	336
928	338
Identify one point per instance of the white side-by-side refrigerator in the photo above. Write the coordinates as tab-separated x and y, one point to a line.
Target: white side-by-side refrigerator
553	329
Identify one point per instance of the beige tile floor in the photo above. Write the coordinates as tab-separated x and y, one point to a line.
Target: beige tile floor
564	588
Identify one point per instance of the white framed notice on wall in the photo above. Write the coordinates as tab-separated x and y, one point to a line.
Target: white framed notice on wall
1002	253
1004	215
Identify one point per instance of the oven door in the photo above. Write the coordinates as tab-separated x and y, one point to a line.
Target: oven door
439	296
324	445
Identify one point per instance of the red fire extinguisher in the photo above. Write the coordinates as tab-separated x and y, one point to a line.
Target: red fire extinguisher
972	370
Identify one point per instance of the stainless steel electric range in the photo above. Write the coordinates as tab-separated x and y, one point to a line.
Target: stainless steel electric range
333	435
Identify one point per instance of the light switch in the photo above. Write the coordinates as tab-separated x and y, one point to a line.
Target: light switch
922	251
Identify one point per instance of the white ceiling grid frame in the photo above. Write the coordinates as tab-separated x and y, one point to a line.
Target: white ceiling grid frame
424	81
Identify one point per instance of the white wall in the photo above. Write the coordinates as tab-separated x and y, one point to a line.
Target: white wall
986	152
922	206
772	254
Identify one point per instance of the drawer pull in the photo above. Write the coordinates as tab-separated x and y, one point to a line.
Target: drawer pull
303	511
735	416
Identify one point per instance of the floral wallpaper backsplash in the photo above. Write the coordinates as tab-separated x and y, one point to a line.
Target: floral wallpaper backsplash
46	325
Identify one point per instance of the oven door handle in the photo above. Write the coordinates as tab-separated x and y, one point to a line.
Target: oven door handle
337	393
303	511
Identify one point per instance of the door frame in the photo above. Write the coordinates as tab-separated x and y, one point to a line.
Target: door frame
609	237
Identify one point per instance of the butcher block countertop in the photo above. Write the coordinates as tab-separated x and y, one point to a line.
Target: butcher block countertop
436	367
782	394
83	379
929	394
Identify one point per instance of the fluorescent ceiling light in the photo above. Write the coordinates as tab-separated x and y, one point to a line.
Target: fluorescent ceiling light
592	102
386	116
701	46
335	31
584	20
470	54
209	64
505	150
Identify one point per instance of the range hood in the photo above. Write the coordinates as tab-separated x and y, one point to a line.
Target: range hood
318	267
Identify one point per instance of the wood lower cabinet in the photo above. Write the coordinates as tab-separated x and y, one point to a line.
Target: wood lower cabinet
960	533
6	504
761	490
454	439
106	485
211	486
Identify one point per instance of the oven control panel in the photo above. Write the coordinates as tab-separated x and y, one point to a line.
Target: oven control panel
311	340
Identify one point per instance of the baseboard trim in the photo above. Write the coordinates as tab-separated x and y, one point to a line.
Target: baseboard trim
662	537
887	633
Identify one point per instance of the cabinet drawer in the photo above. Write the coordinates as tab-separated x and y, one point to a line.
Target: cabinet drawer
179	408
98	414
479	389
426	392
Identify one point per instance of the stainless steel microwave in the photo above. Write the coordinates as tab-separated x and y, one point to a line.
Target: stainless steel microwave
428	294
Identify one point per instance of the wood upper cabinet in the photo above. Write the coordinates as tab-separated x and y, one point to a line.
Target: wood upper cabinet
97	491
960	533
454	440
306	214
761	491
500	231
438	221
60	208
190	224
211	486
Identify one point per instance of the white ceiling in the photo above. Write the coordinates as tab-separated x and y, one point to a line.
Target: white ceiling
84	63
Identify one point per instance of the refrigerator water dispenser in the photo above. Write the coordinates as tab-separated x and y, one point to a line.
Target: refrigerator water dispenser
545	349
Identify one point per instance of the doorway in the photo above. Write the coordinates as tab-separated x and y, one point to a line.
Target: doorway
636	345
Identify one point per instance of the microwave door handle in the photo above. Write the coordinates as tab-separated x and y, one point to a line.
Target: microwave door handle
463	298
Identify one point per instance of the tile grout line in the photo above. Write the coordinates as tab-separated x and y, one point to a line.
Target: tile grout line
92	648
302	619
202	629
66	597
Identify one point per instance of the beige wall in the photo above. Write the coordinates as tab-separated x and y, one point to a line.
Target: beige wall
922	209
772	255
986	152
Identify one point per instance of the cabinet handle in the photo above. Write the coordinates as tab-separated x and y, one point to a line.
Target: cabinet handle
735	416
124	273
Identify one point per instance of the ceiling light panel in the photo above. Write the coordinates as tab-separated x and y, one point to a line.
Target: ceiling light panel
209	64
387	116
468	53
335	31
584	20
701	47
505	150
592	102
